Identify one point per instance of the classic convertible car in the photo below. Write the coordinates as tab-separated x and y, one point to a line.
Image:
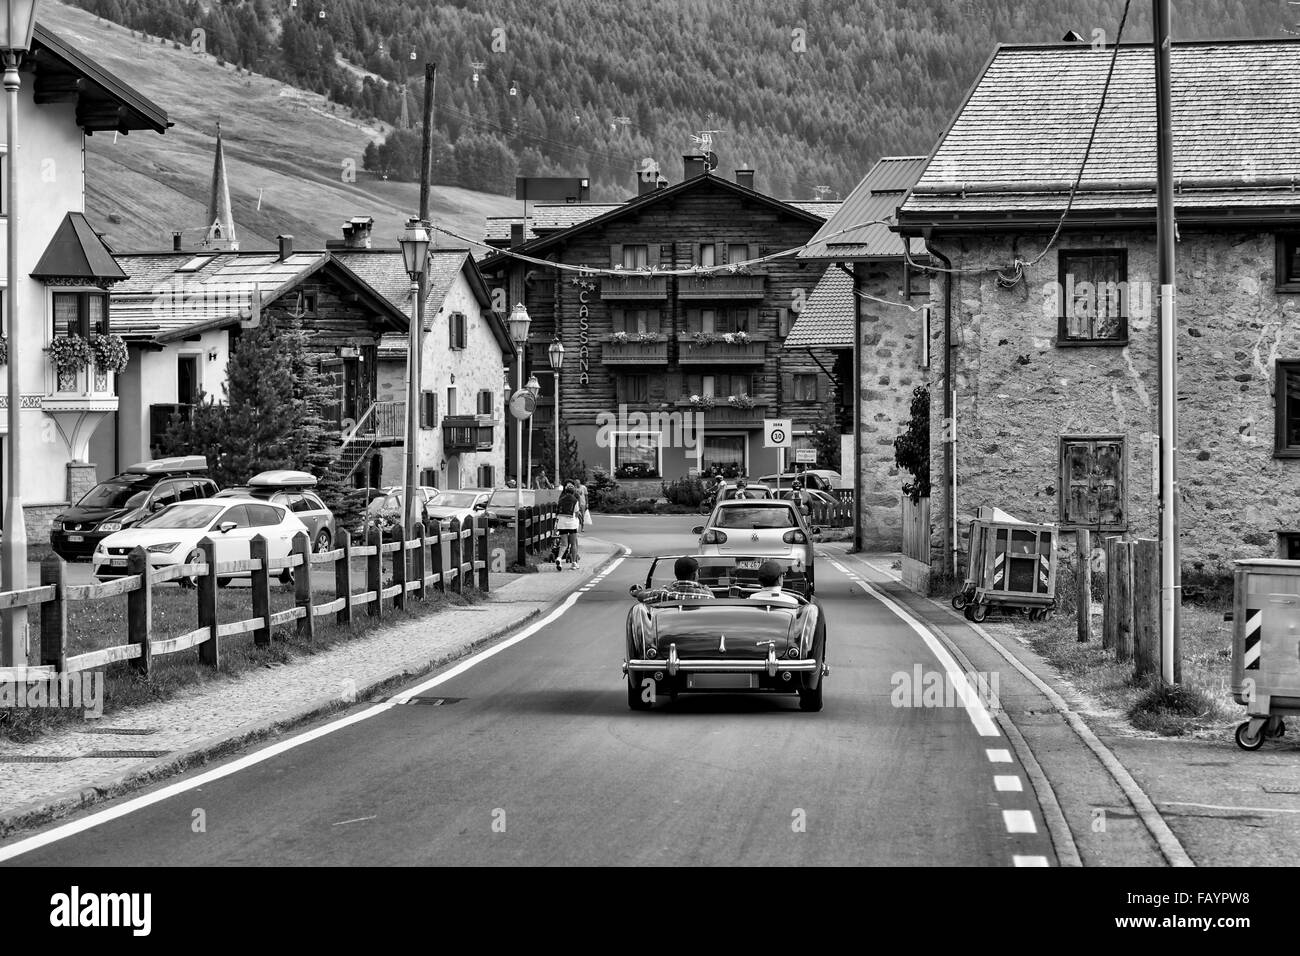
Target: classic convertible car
721	637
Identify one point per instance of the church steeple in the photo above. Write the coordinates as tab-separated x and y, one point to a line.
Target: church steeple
219	229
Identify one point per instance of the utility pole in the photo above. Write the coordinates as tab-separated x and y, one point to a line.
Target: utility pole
1171	591
411	479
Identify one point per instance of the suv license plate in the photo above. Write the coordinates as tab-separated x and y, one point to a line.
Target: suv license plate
117	562
75	538
747	565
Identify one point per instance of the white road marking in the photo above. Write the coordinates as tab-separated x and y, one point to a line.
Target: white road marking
1008	783
1215	806
1019	821
999	756
1029	860
343	823
108	814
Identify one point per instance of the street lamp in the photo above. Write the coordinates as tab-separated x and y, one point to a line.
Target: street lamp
556	354
535	387
519	322
16	25
415	256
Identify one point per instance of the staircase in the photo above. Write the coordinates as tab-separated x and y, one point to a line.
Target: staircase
382	421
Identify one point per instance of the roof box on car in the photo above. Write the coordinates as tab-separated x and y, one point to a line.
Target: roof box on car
281	478
167	466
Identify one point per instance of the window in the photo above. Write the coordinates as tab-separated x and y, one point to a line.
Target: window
708	254
1288	263
451	400
238	514
805	387
737	252
636	454
635	321
725	451
429	477
485	400
717	386
1287	404
634	388
636	257
1093	297
187	379
428	409
1093	482
80	313
264	516
456	330
486	476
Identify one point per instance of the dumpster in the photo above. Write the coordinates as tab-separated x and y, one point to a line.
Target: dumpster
1014	568
1265	647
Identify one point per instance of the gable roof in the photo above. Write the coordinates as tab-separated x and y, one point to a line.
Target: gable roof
545	217
1014	147
828	316
104	102
880	193
77	252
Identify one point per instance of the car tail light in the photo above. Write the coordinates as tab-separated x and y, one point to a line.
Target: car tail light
794	536
714	537
793	652
651	653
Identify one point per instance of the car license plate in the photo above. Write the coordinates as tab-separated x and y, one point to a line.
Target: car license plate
76	538
747	565
117	562
721	681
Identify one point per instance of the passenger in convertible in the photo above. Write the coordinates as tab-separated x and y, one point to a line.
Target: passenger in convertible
687	586
770	579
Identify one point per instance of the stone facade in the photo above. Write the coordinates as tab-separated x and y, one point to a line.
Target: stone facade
1018	392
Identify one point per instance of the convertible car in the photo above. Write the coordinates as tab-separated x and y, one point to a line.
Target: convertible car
721	637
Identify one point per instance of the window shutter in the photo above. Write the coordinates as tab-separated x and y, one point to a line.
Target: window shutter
783	322
823	388
693	322
616	257
620	389
451	331
653	320
464	329
787	386
673	386
655	255
618	319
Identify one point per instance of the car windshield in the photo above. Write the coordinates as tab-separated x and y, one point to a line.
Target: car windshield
110	494
755	516
750	491
506	499
456	499
183	516
717	572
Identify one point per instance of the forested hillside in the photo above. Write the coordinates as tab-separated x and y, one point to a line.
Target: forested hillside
807	92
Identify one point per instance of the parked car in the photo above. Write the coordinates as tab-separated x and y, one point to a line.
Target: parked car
124	500
730	642
821	479
172	535
386	511
293	489
811	496
769	529
465	504
505	504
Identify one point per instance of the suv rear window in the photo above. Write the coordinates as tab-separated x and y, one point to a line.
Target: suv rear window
115	493
758	516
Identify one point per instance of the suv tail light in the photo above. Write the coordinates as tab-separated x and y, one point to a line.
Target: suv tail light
714	537
794	536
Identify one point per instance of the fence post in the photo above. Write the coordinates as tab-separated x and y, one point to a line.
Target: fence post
1109	609
139	609
375	572
420	559
259	552
439	560
457	558
1083	583
343	579
1124	602
399	568
520	556
1146	607
206	586
54	615
302	586
481	549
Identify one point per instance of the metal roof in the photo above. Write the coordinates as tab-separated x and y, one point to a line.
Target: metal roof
104	102
881	192
828	316
77	252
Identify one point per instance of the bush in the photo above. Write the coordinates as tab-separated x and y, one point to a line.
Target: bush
1172	709
601	490
688	492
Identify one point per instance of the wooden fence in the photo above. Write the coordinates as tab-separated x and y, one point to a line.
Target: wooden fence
916	544
1131	612
534	528
825	515
441	562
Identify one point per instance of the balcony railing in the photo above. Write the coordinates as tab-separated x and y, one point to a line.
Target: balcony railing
634	287
694	351
723	413
90	389
462	433
724	286
387	420
633	352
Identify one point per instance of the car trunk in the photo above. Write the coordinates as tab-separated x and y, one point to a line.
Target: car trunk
699	632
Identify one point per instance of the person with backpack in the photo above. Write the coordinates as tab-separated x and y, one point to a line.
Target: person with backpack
567	523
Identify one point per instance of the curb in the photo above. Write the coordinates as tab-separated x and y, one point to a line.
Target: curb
77	798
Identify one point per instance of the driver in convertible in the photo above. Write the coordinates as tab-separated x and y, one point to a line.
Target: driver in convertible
687	586
770	579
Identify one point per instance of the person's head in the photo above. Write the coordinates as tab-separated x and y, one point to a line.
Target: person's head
770	574
686	568
798	485
742	483
569	487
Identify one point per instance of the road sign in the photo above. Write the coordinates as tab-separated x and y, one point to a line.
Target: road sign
776	433
805	456
522	404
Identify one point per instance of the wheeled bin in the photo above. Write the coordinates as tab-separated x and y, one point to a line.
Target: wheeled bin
1265	647
1016	568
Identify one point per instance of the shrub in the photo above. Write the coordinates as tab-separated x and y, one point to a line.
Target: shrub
600	490
688	492
1172	709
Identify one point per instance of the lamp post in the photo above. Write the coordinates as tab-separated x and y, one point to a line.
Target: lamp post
519	322
19	19
556	355
535	387
415	256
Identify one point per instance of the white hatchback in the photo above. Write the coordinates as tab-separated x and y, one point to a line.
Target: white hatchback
172	535
757	529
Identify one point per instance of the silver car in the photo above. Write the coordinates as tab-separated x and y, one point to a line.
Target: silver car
764	528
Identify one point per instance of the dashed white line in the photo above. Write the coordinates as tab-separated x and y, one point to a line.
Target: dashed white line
999	756
1029	860
1019	821
1008	783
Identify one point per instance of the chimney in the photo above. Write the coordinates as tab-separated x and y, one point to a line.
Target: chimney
356	232
286	246
1072	37
646	183
176	242
693	164
661	183
745	177
516	234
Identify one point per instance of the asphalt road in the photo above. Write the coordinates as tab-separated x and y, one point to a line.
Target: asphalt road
536	759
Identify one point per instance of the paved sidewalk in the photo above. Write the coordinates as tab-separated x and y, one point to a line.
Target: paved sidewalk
69	768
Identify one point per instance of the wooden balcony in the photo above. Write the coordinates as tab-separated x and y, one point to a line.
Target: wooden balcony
634	287
691	351
633	352
464	433
721	286
730	416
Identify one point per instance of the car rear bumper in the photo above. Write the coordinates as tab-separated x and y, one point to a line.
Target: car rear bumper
673	665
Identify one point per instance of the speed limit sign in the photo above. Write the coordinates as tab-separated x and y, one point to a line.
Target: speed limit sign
776	433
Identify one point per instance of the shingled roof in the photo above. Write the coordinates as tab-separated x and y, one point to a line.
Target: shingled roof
827	318
1014	147
845	238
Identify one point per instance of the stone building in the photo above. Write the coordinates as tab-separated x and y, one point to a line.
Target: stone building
1045	346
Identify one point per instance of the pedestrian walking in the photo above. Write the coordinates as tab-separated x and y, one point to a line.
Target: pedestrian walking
584	514
566	523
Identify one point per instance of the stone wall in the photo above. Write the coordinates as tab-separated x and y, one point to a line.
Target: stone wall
1018	392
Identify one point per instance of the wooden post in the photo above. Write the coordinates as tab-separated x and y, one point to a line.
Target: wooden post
457	557
481	536
421	560
375	572
206	586
1109	608
1146	608
440	560
399	568
1124	601
139	609
1083	583
302	586
520	556
54	615
259	552
343	579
